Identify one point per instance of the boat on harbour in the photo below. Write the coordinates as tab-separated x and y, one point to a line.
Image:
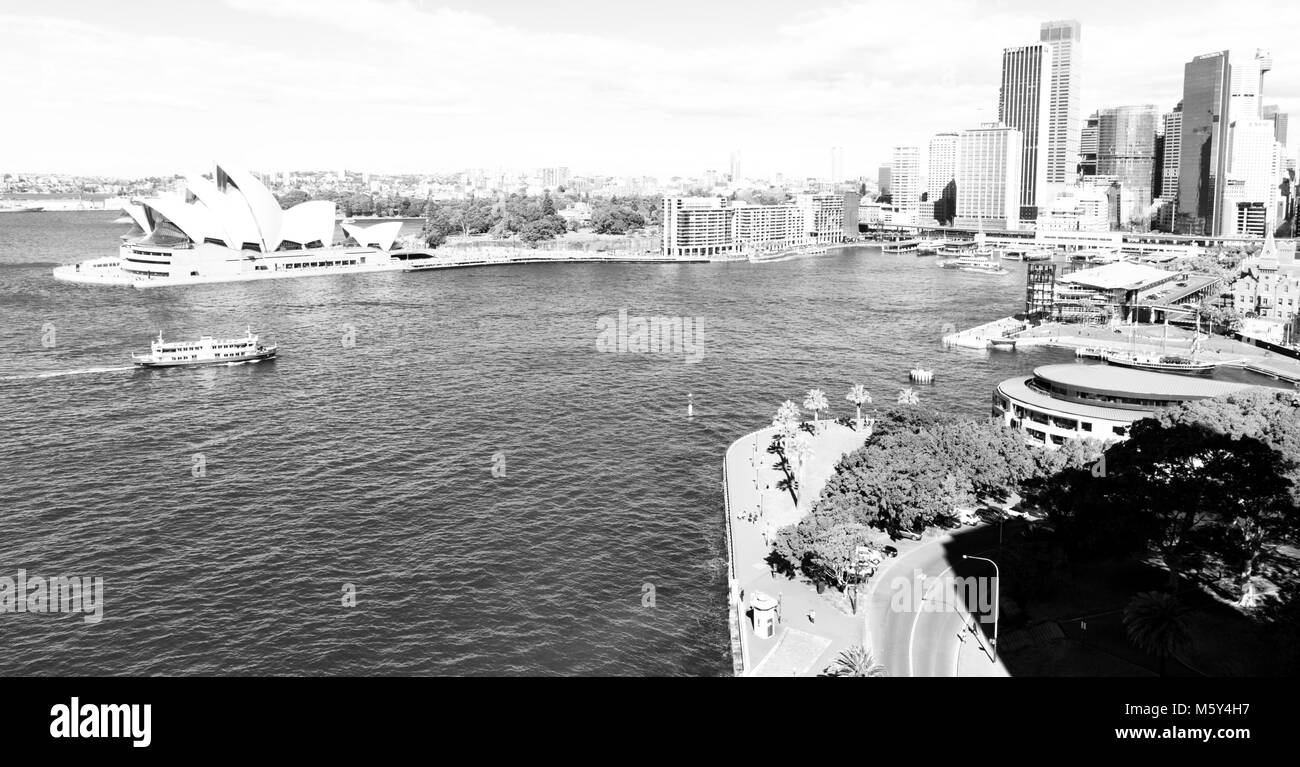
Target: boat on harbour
205	351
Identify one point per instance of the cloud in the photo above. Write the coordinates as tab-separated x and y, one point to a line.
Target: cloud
405	85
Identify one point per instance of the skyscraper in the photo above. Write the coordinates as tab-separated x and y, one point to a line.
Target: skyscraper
1253	171
1279	120
1088	146
1202	163
1063	129
1219	89
905	183
988	176
1126	151
1024	103
735	166
942	186
1173	125
882	179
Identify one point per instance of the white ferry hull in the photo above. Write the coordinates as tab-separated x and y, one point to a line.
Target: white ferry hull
267	355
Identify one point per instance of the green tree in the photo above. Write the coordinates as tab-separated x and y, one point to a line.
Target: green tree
1156	623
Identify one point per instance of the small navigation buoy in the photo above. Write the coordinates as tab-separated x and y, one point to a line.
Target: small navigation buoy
690	405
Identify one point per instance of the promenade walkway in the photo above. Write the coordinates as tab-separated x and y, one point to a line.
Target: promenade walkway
811	632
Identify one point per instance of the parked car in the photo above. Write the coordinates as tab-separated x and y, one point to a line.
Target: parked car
908	534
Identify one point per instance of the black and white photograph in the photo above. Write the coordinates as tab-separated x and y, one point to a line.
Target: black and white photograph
493	338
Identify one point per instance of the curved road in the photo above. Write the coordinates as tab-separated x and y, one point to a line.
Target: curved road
914	624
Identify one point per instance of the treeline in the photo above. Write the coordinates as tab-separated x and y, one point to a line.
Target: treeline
534	219
531	219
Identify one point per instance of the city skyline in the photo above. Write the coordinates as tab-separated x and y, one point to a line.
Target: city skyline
434	87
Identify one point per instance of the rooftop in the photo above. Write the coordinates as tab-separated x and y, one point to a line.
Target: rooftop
1142	383
1118	275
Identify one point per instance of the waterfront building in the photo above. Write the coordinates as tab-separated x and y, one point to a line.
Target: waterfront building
1126	152
942	185
231	227
905	181
989	177
1088	139
824	215
1072	401
1063	126
715	227
1024	103
698	226
761	229
1117	292
1270	287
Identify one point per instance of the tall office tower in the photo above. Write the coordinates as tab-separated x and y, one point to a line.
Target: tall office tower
1063	129
942	186
1173	125
882	179
1024	103
1088	146
1246	82
1279	120
1253	170
837	164
1168	159
905	181
1203	159
1126	151
989	175
735	166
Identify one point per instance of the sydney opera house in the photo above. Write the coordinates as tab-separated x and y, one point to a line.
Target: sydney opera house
231	227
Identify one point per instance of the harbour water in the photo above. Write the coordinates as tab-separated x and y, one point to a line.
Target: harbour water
365	454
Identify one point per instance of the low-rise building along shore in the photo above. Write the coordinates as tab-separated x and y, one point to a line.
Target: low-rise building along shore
1060	402
718	228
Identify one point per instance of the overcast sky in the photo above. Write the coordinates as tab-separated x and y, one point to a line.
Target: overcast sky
661	88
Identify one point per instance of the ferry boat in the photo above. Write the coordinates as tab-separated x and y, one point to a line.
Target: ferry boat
205	351
900	246
930	247
974	263
1023	253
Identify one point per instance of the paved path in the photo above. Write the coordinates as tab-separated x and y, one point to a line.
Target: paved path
811	632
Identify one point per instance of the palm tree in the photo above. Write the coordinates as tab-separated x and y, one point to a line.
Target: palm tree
859	395
816	402
1156	623
803	452
908	396
787	420
857	661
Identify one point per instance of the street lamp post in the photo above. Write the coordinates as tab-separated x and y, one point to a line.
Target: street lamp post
997	607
